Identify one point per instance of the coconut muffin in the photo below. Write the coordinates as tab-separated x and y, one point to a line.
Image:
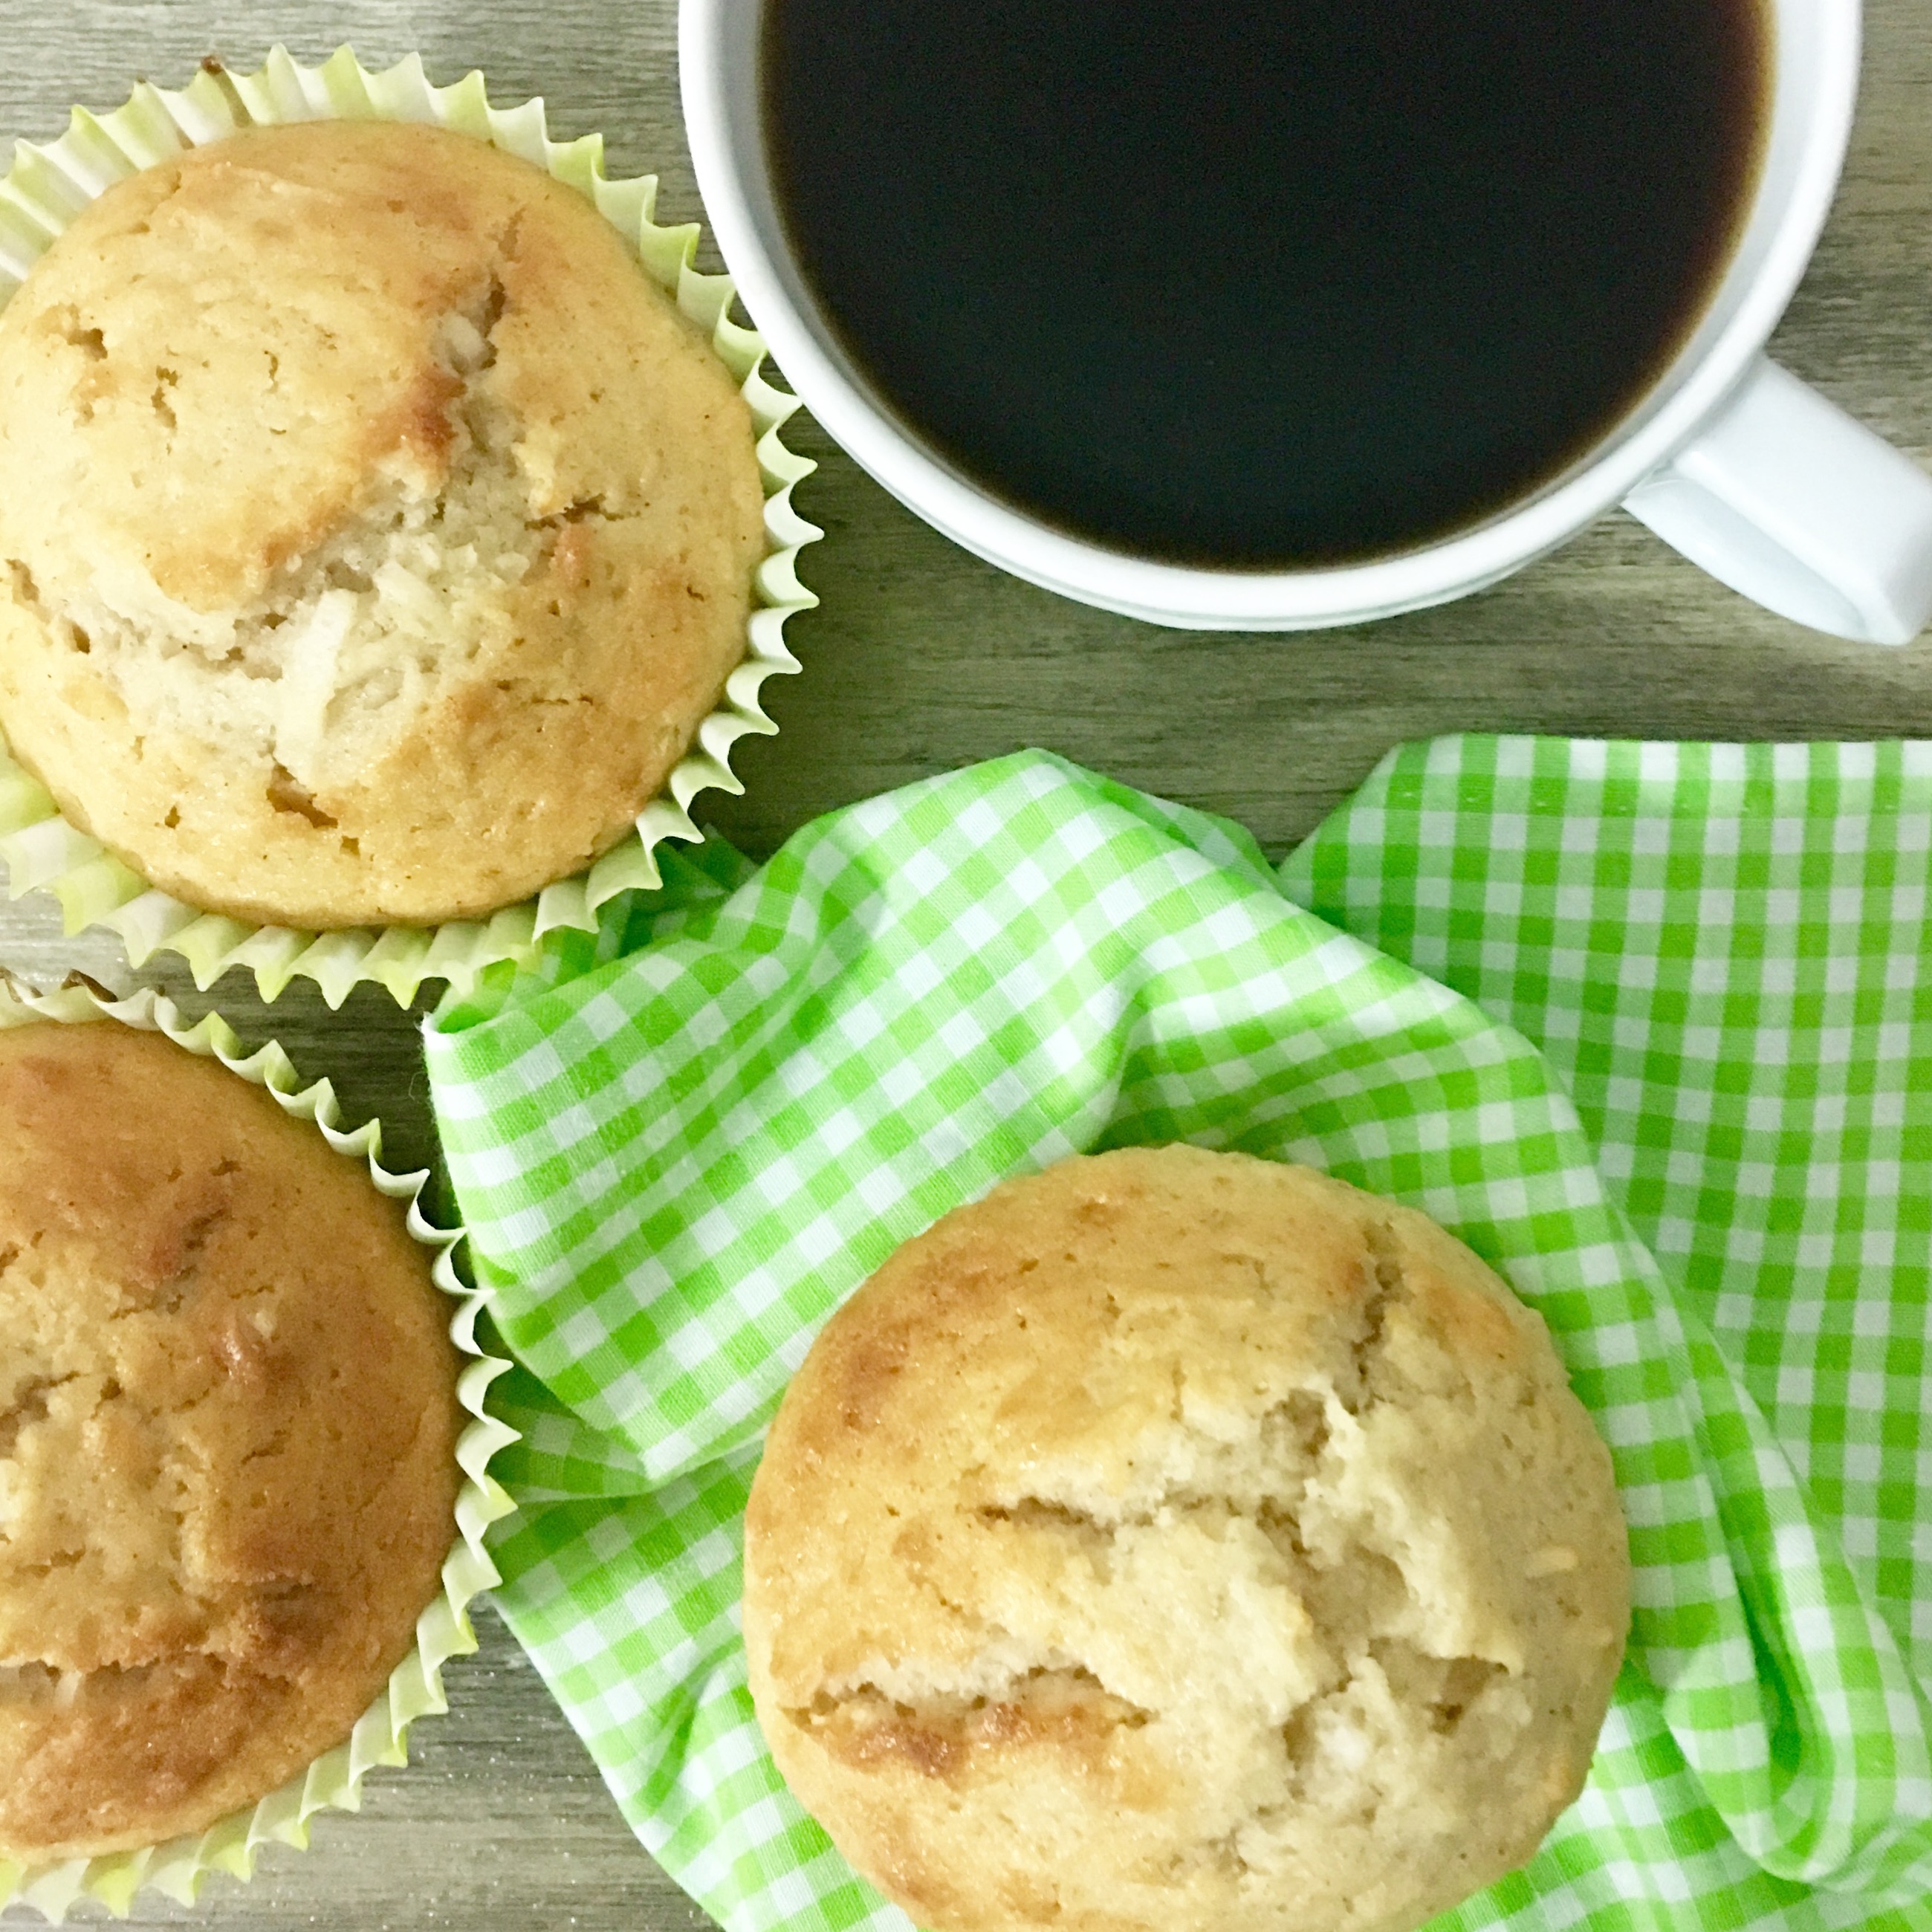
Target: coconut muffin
227	1430
374	534
1178	1540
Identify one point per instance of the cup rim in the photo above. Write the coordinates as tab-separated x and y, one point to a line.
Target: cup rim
722	120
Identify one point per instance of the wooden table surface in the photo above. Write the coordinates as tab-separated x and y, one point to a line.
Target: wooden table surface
922	659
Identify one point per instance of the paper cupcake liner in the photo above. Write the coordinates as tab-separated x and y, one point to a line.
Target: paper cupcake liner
415	1689
44	191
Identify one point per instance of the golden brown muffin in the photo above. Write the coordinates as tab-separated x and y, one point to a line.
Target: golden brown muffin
227	1441
1176	1540
374	534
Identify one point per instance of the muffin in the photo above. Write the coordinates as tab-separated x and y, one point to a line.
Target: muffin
227	1424
374	533
1179	1540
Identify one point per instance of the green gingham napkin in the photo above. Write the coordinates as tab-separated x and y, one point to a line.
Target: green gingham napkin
683	1141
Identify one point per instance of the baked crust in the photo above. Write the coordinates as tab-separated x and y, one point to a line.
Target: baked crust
374	534
227	1442
1179	1540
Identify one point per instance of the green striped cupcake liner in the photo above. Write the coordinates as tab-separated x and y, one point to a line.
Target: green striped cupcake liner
47	187
333	1782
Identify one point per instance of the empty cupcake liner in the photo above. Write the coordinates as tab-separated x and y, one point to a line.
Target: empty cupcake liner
415	1689
47	187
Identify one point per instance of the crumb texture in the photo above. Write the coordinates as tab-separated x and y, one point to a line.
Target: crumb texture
374	534
1176	1539
227	1442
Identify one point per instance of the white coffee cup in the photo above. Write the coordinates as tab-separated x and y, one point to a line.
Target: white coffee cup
1758	479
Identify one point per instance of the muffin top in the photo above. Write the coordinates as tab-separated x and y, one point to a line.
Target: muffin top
1179	1540
227	1442
374	533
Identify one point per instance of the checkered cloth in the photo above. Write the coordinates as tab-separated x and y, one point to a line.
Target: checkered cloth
1680	1095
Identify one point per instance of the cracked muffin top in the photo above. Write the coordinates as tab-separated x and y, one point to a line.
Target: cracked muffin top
1180	1540
227	1442
374	533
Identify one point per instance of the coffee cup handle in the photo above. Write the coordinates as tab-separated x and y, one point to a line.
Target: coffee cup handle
1786	498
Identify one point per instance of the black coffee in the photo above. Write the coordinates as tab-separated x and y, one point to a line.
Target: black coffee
1263	283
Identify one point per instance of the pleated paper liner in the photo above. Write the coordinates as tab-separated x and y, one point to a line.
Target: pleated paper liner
47	186
415	1689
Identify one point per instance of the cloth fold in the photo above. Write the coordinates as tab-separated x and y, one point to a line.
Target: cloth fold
685	1139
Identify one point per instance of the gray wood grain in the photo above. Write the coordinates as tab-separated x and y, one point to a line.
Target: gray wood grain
922	659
